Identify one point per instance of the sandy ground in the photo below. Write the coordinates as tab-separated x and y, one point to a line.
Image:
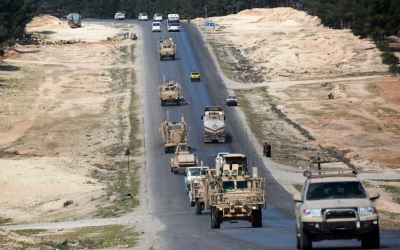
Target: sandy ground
296	63
283	43
63	113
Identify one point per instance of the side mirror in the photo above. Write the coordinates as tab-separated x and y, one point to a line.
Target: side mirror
297	198
373	195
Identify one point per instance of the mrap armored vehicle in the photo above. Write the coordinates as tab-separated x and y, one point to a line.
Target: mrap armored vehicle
170	92
182	159
167	48
173	134
230	193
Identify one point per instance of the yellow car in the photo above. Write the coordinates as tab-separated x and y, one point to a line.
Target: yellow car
194	76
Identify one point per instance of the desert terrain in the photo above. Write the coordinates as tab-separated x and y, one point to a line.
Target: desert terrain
66	122
312	91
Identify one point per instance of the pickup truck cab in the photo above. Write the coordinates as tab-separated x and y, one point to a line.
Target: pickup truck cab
193	173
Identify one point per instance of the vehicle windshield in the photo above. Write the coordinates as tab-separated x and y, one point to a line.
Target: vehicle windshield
195	172
156	24
228	185
173	22
335	190
241	184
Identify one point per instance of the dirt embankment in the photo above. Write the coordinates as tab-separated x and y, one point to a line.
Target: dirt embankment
317	95
64	117
283	43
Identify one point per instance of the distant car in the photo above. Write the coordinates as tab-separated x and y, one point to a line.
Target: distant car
156	26
231	101
120	15
219	159
157	17
194	76
143	17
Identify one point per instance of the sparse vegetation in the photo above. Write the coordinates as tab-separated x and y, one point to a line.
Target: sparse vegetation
82	238
5	221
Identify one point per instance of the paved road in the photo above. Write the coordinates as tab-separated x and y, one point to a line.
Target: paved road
167	198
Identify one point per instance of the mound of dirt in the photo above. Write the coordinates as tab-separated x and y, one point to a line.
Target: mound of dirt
46	20
284	43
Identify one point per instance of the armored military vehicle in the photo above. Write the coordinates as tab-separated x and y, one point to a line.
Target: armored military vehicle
182	159
167	48
230	193
173	134
170	92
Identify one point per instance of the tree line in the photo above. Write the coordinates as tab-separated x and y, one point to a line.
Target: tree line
377	19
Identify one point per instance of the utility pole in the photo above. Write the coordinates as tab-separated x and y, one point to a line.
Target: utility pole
205	10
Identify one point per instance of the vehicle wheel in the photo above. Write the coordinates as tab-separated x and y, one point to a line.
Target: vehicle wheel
192	203
162	103
305	241
175	171
198	208
178	103
371	240
257	218
166	151
215	219
173	57
172	170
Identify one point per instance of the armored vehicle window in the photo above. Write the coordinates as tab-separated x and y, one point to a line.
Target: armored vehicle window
241	184
229	185
335	190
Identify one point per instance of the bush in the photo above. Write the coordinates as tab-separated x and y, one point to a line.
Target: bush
394	69
389	58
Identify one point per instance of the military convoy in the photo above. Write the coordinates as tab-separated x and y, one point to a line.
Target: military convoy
167	48
173	134
170	92
213	124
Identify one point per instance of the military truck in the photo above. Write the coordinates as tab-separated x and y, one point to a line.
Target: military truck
173	133
167	48
170	92
182	159
335	205
213	124
230	193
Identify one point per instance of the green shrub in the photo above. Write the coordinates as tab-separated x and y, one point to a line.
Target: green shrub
389	58
394	69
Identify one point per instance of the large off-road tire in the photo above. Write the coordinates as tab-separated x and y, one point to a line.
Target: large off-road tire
257	218
215	221
176	171
199	207
166	151
305	241
173	57
161	58
192	203
162	103
172	170
371	240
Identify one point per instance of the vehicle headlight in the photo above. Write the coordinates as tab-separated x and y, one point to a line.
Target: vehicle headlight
312	212
366	210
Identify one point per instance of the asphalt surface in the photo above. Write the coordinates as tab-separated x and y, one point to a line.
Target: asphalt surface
168	200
